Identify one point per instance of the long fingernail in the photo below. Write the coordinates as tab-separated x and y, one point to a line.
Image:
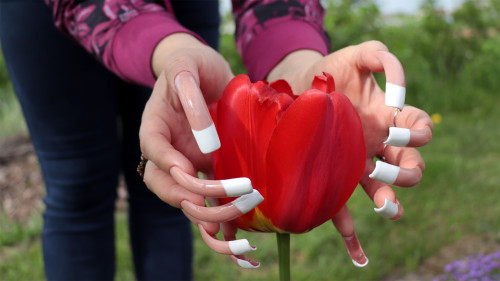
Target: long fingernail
395	95
246	264
398	136
212	188
389	210
420	137
240	246
207	139
197	113
236	187
385	172
361	264
247	202
355	251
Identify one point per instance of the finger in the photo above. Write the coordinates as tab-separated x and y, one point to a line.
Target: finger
382	195
227	212
207	67
245	262
212	188
166	188
196	111
395	175
375	57
413	127
229	234
405	137
345	226
235	247
405	171
198	77
156	135
210	227
395	90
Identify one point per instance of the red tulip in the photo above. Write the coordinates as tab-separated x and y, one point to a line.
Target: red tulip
305	154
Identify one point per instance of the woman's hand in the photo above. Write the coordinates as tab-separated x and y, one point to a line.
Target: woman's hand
177	136
352	69
390	134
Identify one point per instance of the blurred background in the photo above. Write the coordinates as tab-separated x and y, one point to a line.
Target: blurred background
451	54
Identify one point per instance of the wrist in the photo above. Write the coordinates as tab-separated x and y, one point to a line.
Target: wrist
296	69
169	45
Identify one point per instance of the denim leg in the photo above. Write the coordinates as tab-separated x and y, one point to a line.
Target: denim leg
202	17
69	103
160	234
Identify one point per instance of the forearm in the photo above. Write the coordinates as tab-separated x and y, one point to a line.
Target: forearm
122	34
269	31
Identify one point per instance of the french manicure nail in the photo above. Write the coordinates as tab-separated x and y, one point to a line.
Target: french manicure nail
197	112
236	187
385	172
359	264
389	210
398	136
207	139
246	264
240	246
395	95
355	251
247	202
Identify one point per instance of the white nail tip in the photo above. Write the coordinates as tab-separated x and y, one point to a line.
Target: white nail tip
395	95
389	210
241	246
398	136
246	264
238	186
360	265
207	139
385	172
247	202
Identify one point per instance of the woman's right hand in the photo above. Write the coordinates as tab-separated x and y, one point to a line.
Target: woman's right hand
177	136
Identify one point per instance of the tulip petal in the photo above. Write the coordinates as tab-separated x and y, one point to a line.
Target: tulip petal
316	155
324	83
246	115
281	86
305	154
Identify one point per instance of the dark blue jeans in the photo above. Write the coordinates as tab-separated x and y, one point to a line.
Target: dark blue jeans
84	124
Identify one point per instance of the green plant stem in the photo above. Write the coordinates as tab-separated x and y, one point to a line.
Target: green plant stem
284	255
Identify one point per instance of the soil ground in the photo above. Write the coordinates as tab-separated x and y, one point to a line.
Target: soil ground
21	185
22	189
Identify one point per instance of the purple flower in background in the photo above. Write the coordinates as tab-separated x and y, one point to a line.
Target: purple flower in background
473	268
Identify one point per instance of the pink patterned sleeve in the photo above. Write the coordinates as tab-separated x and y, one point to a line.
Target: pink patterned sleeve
122	34
268	30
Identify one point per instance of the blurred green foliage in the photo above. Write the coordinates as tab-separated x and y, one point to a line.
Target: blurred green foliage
11	118
4	77
451	60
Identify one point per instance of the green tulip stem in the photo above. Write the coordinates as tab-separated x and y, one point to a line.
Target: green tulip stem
284	255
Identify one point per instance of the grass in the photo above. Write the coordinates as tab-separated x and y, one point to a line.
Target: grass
457	197
11	116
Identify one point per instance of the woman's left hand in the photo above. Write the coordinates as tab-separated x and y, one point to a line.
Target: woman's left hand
352	69
391	132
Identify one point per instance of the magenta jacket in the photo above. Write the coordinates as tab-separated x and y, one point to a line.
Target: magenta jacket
122	34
